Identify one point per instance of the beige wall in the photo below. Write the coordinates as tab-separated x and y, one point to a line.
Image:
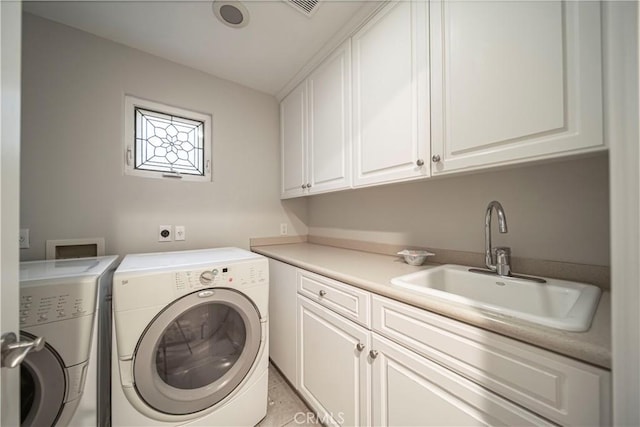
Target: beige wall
72	182
557	211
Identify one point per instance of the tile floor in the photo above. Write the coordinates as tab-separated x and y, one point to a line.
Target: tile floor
284	407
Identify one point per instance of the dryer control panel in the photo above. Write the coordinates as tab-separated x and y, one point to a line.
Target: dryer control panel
236	275
54	302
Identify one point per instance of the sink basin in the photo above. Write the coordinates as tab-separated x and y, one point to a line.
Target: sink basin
559	304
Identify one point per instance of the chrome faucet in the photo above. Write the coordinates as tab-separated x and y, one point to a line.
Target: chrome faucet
502	255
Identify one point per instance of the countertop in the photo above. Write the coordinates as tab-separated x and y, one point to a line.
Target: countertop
373	272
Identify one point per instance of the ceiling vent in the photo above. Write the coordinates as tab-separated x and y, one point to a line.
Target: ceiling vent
306	7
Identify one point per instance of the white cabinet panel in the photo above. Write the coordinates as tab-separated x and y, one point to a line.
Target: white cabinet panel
351	302
282	318
389	96
417	368
409	390
292	142
562	389
329	146
332	371
514	80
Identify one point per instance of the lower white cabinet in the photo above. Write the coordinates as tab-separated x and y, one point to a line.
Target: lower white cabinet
332	370
367	360
347	373
410	390
563	390
282	318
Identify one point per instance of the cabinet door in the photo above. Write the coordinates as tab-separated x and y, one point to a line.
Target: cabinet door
409	390
556	387
282	317
332	370
514	81
292	145
390	96
329	146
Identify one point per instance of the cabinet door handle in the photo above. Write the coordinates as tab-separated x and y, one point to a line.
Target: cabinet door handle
359	346
373	354
309	185
420	162
304	186
322	293
436	158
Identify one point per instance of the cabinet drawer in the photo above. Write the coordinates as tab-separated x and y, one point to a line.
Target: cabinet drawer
352	303
562	389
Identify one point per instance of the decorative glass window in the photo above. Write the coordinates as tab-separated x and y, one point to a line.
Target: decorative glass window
166	142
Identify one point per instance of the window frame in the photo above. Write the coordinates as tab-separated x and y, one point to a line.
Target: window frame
129	139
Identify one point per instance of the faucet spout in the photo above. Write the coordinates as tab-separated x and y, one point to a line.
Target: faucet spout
502	227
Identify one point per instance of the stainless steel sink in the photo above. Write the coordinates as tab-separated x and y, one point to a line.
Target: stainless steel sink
557	304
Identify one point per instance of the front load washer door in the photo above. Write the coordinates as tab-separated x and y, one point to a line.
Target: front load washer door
42	386
197	351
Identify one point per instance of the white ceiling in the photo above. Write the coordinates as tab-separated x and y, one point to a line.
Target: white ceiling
264	55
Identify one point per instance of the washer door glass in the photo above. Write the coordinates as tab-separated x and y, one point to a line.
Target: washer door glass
42	386
197	351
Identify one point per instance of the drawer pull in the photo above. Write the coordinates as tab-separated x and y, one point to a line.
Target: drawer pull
373	354
322	293
359	346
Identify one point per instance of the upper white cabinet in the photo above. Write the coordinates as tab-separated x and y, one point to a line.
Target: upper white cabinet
513	81
329	144
390	121
447	86
293	139
316	129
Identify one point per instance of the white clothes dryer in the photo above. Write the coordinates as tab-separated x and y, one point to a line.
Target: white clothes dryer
59	301
190	344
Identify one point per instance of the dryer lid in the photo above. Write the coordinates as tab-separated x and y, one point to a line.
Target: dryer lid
65	268
181	259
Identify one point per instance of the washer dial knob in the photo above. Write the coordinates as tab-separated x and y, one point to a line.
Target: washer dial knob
206	278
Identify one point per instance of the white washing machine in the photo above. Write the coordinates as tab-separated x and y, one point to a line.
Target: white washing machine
60	301
190	343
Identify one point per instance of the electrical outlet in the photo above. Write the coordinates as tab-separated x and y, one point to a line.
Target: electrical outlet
24	238
283	229
165	233
181	232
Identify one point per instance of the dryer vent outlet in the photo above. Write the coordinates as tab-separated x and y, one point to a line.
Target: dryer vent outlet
165	233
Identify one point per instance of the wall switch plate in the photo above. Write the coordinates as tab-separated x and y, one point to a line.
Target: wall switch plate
165	233
283	229
180	232
24	238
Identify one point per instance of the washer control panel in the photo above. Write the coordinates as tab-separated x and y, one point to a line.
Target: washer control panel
230	276
51	303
